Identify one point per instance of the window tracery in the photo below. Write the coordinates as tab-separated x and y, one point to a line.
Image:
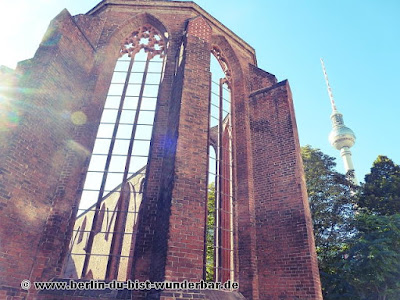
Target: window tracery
224	65
147	38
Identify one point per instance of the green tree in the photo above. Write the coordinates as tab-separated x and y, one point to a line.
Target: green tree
373	257
330	198
380	194
331	203
358	252
210	233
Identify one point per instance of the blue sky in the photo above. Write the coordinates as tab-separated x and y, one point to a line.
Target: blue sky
359	41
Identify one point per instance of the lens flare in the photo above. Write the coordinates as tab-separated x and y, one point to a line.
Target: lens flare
9	116
77	147
78	118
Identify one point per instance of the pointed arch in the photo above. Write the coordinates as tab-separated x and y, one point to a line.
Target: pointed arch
113	41
227	59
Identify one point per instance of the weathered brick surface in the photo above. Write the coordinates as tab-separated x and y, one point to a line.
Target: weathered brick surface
44	157
286	258
185	257
91	27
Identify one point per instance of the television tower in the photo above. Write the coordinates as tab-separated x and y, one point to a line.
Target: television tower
341	137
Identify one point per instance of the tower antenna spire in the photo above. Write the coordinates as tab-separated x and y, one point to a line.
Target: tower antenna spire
341	137
328	86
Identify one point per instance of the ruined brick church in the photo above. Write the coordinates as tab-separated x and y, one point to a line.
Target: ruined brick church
142	142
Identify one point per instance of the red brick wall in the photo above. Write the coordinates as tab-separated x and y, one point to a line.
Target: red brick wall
41	154
286	258
185	259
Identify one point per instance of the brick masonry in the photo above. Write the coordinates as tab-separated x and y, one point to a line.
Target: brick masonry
44	157
286	256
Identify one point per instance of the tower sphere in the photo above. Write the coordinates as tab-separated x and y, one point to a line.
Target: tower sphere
342	136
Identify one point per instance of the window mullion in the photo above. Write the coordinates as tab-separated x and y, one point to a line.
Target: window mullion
116	244
220	165
104	179
135	122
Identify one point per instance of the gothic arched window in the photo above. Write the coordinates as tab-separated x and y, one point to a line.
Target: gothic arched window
119	159
219	230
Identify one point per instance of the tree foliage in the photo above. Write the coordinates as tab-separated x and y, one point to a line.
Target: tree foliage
380	194
331	203
373	258
358	251
329	197
210	233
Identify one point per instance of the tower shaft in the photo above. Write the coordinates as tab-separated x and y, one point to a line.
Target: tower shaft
348	162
